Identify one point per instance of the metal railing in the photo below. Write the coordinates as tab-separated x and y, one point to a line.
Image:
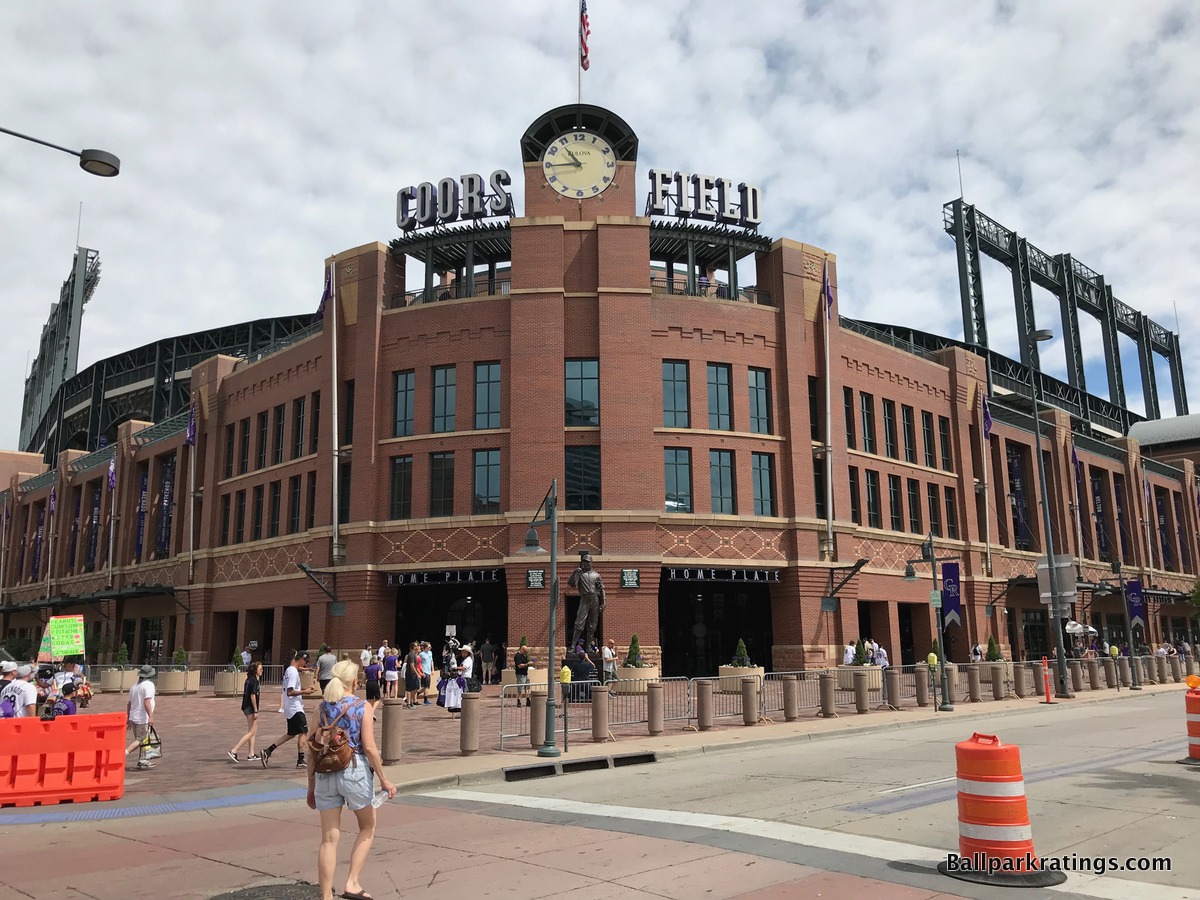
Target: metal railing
716	289
501	287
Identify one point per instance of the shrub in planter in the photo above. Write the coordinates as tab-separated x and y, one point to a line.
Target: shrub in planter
741	659
730	677
180	658
993	650
122	656
635	671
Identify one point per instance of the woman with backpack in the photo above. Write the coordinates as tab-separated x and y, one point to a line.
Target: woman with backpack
348	783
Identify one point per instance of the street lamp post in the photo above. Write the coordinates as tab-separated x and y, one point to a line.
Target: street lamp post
927	555
1135	683
98	162
533	547
1057	613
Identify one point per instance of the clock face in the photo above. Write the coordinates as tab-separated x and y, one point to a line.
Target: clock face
579	164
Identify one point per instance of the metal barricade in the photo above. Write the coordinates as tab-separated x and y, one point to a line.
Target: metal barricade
627	700
514	714
809	691
726	696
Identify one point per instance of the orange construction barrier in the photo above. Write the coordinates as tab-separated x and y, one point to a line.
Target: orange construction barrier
995	841
1192	705
70	759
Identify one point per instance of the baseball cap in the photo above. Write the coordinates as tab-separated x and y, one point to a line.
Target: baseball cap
8	666
300	654
24	671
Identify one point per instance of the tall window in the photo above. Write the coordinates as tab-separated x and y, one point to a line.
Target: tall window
244	446
582	482
582	392
677	472
345	474
720	406
444	397
400	506
889	429
944	441
867	404
225	512
441	484
814	408
675	394
347	422
910	433
935	509
762	469
293	504
277	436
896	502
273	504
239	517
760	401
230	449
298	427
263	435
310	514
855	500
927	433
848	405
256	513
914	507
314	428
819	489
402	415
951	514
487	482
487	395
720	473
874	507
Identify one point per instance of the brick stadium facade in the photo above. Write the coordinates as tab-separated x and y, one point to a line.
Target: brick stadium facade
539	348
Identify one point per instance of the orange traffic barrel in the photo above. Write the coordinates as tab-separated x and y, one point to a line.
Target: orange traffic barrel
1192	706
995	841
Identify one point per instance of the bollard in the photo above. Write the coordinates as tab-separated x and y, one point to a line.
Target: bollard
891	680
973	689
704	710
600	712
1093	667
827	685
1019	681
922	678
1076	675
1162	669
998	681
389	749
749	701
1123	670
860	690
654	706
1149	670
468	725
1110	672
1176	669
791	698
537	721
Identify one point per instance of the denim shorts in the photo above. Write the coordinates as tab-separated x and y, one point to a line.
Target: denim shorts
351	787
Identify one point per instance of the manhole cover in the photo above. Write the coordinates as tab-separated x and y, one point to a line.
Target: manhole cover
274	892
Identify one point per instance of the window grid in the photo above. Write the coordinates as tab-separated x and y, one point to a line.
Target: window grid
721	478
814	408
277	437
310	514
914	507
848	406
677	473
762	467
487	395
760	401
230	445
445	390
487	482
263	436
400	506
298	428
582	482
910	434
855	505
244	446
256	514
582	392
345	475
935	509
927	433
239	517
226	500
896	502
889	429
720	412
951	514
402	410
276	494
293	504
866	404
874	507
944	440
819	489
676	413
314	428
347	422
441	484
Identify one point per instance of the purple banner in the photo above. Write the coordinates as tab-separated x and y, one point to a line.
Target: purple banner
94	531
141	517
951	594
1135	605
166	496
37	541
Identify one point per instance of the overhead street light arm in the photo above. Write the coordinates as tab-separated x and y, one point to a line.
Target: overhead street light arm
97	162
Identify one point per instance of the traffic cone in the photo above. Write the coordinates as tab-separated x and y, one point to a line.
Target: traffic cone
1192	705
995	842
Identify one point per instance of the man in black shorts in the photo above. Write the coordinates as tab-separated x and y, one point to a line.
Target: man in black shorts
293	709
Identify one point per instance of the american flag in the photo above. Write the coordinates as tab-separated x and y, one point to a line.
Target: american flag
827	292
585	31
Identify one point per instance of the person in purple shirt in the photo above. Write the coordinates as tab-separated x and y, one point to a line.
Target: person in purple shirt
65	704
374	672
391	673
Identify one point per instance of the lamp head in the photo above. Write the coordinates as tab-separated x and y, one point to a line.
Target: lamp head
99	163
532	546
1042	334
910	573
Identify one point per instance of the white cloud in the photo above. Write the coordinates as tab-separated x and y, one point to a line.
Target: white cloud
256	139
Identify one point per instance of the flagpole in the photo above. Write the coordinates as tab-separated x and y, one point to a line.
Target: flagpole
338	554
192	506
49	548
112	521
987	508
4	552
826	295
1148	498
578	66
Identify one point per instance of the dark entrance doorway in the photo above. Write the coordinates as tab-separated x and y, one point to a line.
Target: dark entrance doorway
476	611
700	624
908	654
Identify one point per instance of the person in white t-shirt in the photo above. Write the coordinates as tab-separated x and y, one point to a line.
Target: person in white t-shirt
22	692
293	710
246	657
609	660
140	710
364	658
848	655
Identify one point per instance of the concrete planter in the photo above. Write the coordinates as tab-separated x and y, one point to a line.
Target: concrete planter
113	681
308	677
633	680
179	681
845	676
730	677
229	684
537	679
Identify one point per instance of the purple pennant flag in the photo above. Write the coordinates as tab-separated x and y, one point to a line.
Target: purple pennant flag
112	474
190	436
326	295
53	498
1146	483
987	419
1075	459
827	292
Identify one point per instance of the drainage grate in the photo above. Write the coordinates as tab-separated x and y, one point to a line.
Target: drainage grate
633	759
526	773
274	892
585	765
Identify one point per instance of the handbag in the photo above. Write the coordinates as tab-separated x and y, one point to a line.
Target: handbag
473	685
441	689
151	745
330	744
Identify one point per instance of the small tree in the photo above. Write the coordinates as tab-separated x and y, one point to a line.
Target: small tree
741	659
634	658
993	650
236	662
180	658
122	656
524	641
860	654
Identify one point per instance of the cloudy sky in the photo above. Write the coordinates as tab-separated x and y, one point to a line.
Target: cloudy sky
257	138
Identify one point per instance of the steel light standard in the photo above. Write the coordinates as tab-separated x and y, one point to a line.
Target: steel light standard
1135	683
98	162
910	574
1057	613
533	547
